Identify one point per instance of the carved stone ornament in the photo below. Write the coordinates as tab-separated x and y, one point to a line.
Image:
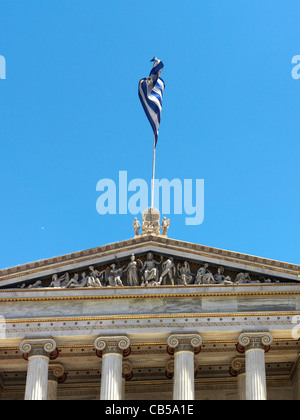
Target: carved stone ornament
237	366
150	224
185	342
255	340
152	272
112	344
127	371
57	372
38	347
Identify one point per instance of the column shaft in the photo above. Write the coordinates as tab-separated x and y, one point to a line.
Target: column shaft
111	350
256	388
37	378
111	377
183	386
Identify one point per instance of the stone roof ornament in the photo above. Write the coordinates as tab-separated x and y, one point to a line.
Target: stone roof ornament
151	223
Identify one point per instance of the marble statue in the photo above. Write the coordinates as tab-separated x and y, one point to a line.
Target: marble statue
165	226
113	276
243	278
150	269
136	226
168	270
204	276
221	278
35	285
150	273
61	281
75	282
94	278
133	270
185	276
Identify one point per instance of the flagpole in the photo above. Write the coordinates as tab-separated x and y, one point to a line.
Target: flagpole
153	174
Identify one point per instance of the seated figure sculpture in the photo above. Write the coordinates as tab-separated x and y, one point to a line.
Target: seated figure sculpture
113	276
150	270
204	276
185	276
94	278
221	278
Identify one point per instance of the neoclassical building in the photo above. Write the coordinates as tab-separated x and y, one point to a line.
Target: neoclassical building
150	318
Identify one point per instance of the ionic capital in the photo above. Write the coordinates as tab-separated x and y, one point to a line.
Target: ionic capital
127	372
112	344
185	342
255	340
170	366
37	347
237	366
56	372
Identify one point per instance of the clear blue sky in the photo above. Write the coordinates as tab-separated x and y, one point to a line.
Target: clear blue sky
70	116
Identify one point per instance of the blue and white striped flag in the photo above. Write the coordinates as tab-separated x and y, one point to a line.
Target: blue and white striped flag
151	91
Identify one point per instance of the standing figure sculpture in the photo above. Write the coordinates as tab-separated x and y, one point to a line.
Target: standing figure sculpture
136	226
133	270
204	276
185	276
168	270
165	226
150	270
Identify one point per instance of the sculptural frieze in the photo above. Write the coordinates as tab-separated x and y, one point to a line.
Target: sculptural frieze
149	271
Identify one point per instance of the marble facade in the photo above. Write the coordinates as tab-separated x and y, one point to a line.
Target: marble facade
162	341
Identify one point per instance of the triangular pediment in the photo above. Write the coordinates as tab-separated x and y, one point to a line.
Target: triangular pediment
188	263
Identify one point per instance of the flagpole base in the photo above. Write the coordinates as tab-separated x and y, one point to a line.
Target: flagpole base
151	222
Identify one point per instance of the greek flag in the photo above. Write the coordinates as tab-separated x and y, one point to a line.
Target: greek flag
151	91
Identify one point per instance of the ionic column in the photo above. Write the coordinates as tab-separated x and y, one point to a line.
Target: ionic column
56	374
295	375
111	349
255	344
237	369
127	374
184	346
37	353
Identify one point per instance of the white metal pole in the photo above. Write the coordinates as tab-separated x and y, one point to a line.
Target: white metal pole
153	174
